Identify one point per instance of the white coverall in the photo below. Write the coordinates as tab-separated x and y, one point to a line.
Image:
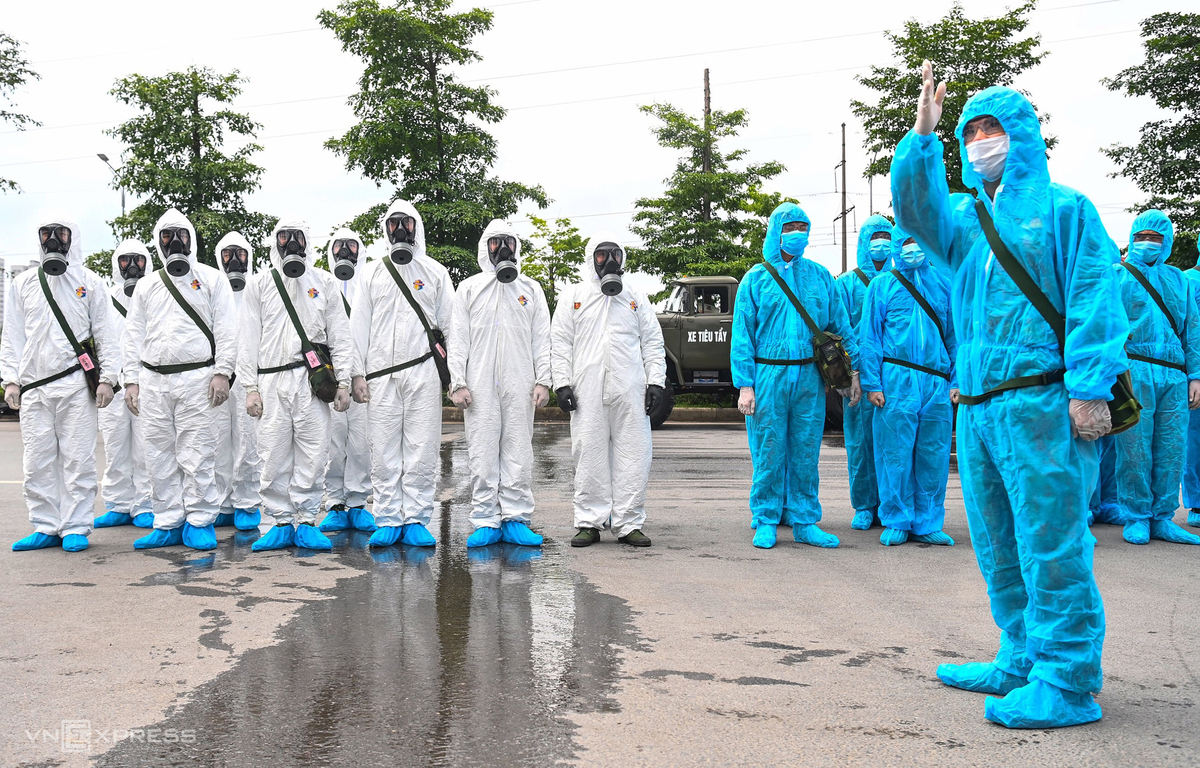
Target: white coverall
238	463
499	350
125	486
178	427
348	474
58	419
608	349
293	433
404	416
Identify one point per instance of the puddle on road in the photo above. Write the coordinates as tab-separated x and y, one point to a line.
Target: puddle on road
429	658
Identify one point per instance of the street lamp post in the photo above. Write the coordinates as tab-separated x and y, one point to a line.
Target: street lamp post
104	157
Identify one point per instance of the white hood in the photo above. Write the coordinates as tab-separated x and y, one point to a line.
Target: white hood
406	208
75	252
496	227
174	218
310	251
235	239
587	270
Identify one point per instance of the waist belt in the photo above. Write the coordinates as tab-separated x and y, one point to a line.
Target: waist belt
1156	361
401	367
769	361
167	370
1021	382
281	368
48	379
921	368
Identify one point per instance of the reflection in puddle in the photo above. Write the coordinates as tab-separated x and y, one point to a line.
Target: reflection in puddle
442	657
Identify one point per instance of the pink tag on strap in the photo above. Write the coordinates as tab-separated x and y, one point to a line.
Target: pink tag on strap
313	360
85	361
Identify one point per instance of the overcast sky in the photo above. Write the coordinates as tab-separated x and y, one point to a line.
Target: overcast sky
571	74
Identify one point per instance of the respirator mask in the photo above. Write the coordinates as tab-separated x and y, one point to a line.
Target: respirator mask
175	243
55	241
610	265
292	244
502	250
132	267
345	258
401	232
236	262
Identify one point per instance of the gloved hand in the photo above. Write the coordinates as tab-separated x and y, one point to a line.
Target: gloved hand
854	391
218	389
541	395
341	401
1090	419
654	397
954	396
12	396
929	105
254	404
1193	395
461	397
104	395
131	399
566	398
746	401
876	399
360	390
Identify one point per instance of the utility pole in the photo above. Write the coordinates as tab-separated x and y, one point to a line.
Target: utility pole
708	143
845	210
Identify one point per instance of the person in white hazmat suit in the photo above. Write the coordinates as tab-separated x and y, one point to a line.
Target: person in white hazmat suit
499	356
293	434
348	474
609	372
402	383
125	486
44	377
238	463
178	356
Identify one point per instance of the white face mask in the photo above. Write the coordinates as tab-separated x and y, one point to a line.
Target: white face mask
987	157
912	255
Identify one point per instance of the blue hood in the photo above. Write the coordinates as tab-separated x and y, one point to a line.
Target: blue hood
786	212
898	238
1026	163
1157	221
875	223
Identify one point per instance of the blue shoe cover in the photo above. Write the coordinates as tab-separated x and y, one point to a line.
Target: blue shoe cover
764	536
74	542
224	520
417	535
279	537
246	519
1041	705
1166	530
1137	532
483	537
893	537
36	541
386	536
754	522
362	520
863	520
144	519
1194	518
937	537
308	537
336	520
811	534
516	532
111	519
982	678
160	538
202	538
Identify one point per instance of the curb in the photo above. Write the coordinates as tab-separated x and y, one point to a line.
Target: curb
679	415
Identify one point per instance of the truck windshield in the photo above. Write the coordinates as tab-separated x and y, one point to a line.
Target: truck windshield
677	302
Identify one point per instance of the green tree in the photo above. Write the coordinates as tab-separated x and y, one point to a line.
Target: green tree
175	157
552	256
707	222
968	54
14	72
1165	163
421	130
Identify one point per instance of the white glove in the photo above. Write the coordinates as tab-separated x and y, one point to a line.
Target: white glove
746	401
854	391
541	396
360	390
461	397
929	105
254	404
954	396
341	401
1193	395
104	395
12	396
131	399
1090	419
218	389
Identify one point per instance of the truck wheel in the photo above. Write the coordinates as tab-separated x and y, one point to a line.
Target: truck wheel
663	412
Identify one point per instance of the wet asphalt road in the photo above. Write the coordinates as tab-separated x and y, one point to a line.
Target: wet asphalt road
700	650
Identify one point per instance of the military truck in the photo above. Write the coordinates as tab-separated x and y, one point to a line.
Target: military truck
697	327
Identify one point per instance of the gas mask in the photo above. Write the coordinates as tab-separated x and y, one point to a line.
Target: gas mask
345	258
55	240
502	250
132	267
175	243
235	260
292	245
880	248
402	236
610	265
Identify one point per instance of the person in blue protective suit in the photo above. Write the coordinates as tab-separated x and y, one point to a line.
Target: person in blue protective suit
1164	353
1026	452
907	372
874	258
782	393
1191	467
1104	507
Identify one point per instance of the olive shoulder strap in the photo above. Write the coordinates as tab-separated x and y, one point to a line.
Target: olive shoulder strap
912	289
1154	294
817	333
190	310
